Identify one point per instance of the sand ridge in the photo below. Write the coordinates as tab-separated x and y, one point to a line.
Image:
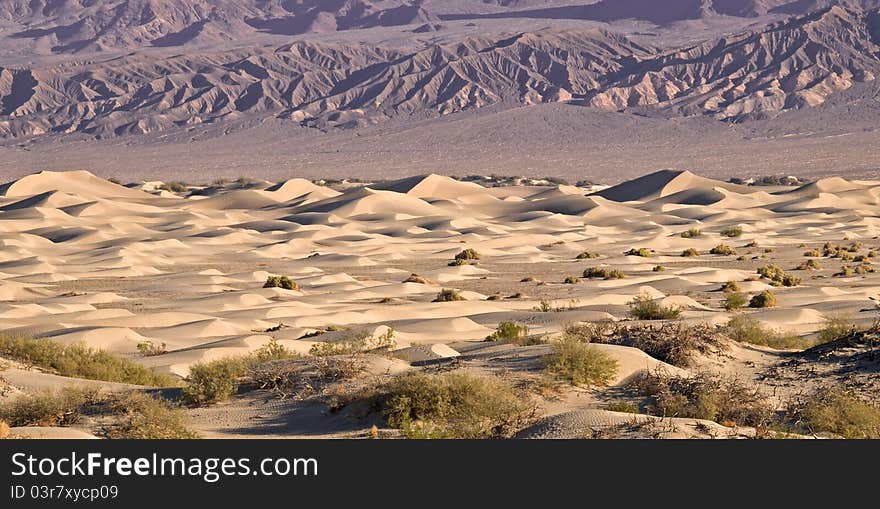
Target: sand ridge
188	272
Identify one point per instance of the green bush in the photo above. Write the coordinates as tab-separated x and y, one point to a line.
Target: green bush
731	286
765	299
468	254
174	187
580	363
48	408
733	231
454	405
690	252
722	249
837	327
626	407
692	233
659	268
281	282
589	332
603	272
143	417
643	307
777	276
586	255
835	410
466	257
746	329
150	349
129	415
705	396
79	361
448	295
735	300
845	271
215	381
810	265
571	280
355	343
642	251
510	332
864	268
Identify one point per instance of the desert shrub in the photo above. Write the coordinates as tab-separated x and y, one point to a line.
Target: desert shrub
731	286
150	349
813	253
580	363
174	187
338	368
448	295
692	233
690	252
733	231
765	299
735	300
468	255
705	396
586	255
746	329
272	350
281	282
603	272
777	276
210	382
589	332
454	405
810	265
509	332
142	416
659	268
78	361
754	244
835	410
864	268
214	381
571	280
642	251
544	306
845	271
672	342
415	278
359	342
675	343
644	307
837	327
48	408
627	407
722	249
300	379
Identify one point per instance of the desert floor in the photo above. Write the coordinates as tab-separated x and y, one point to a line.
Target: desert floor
83	260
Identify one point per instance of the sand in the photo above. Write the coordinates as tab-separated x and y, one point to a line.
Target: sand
87	261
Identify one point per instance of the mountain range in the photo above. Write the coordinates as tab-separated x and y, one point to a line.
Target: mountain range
121	68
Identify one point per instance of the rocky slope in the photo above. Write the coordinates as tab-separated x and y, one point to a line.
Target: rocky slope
796	63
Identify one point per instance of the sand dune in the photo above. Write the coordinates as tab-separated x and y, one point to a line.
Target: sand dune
189	272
